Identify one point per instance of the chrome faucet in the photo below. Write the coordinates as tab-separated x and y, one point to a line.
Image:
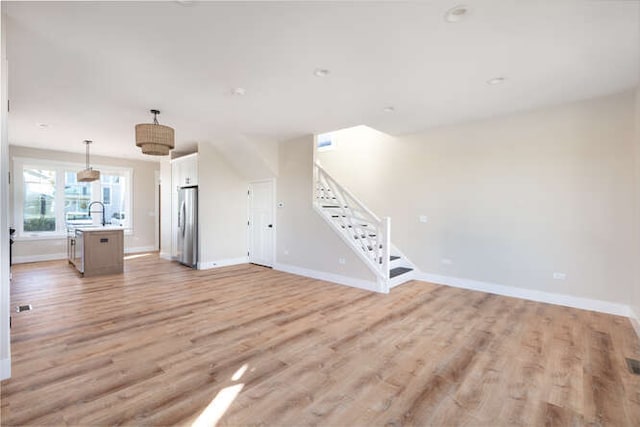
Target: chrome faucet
90	211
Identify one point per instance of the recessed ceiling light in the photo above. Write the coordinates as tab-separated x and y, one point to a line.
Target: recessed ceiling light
321	72
239	91
42	125
389	109
456	14
496	81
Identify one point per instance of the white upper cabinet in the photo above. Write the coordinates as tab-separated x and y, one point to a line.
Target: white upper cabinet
185	171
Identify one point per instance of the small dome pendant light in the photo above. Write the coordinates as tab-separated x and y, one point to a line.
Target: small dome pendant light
88	174
153	138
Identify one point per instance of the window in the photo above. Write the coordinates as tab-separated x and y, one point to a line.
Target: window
39	200
114	190
106	195
48	197
77	196
325	142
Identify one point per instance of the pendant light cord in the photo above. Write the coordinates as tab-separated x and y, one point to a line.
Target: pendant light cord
87	142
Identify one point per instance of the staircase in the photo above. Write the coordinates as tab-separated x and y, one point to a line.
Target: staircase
368	235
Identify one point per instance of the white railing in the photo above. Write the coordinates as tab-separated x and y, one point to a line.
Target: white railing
360	228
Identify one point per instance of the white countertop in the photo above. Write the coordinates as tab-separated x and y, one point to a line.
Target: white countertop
90	228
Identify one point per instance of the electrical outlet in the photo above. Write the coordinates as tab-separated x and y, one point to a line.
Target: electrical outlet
342	261
446	261
559	276
423	218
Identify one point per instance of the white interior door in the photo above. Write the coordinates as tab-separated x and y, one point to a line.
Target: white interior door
261	227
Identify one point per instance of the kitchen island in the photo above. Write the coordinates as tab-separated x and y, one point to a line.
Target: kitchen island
96	250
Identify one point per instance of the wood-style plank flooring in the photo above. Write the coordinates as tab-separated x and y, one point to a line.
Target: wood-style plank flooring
164	345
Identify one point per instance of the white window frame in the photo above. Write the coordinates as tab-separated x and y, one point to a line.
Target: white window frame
19	163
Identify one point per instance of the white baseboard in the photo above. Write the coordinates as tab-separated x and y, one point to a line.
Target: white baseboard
529	294
5	369
139	249
222	263
37	258
369	285
63	255
403	278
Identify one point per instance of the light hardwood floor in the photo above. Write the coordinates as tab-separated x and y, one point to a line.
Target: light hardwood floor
166	345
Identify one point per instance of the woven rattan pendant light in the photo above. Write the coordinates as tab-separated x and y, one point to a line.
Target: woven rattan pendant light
153	138
88	174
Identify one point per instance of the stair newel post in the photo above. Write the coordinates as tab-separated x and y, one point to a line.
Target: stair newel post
386	248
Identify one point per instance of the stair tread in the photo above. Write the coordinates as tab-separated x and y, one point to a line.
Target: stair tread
326	200
395	272
391	258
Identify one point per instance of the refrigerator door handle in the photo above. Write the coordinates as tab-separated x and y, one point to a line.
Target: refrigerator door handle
182	214
179	216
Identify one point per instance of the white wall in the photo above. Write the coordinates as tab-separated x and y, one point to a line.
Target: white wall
635	300
222	199
143	205
509	200
166	210
252	158
5	341
305	243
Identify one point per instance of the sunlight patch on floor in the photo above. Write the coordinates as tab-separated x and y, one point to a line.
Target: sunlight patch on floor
218	406
223	400
136	256
240	372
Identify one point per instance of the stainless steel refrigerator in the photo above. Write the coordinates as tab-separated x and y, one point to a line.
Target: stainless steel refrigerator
187	251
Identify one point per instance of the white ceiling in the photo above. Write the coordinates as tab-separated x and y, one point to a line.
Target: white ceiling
93	70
